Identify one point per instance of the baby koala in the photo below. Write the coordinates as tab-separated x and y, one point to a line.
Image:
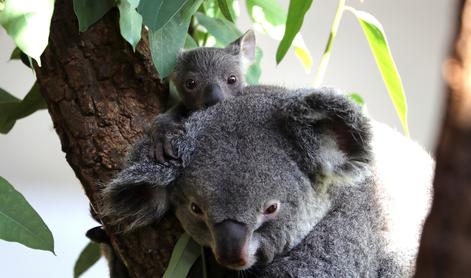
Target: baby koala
203	77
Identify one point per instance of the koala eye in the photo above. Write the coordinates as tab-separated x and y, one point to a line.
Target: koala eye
195	209
231	79
190	84
271	207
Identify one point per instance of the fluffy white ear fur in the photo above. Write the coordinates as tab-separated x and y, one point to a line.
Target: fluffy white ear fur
405	174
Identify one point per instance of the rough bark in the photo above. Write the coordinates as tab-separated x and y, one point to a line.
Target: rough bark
445	249
100	95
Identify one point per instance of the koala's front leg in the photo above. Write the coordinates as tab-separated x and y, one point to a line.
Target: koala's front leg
163	125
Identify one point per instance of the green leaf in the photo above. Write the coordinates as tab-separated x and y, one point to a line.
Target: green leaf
90	11
19	222
254	71
357	99
87	258
190	42
379	47
224	6
266	10
14	109
223	30
16	54
269	17
170	39
7	97
184	255
130	21
28	23
296	11
157	13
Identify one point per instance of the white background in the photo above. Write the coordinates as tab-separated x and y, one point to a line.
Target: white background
31	157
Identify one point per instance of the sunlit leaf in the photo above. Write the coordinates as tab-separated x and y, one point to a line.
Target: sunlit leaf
190	42
357	99
379	47
224	6
223	30
184	255
254	71
296	12
87	258
269	17
130	21
170	39
12	109
266	10
90	11
28	23
19	222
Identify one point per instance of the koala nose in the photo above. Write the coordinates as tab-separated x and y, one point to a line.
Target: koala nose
213	94
231	238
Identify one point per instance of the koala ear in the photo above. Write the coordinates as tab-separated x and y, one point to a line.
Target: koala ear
330	131
138	195
244	46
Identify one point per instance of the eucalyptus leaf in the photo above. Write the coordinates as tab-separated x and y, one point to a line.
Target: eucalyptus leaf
184	255
266	10
87	258
227	11
254	71
89	12
379	46
14	109
270	17
7	97
16	54
169	40
158	13
296	11
190	42
28	23
223	30
357	99
130	21
19	222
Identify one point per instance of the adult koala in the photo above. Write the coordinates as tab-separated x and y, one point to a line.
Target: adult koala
280	182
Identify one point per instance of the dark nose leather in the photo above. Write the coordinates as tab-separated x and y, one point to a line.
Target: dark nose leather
213	94
231	243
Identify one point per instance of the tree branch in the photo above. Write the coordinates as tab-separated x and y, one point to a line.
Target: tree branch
100	95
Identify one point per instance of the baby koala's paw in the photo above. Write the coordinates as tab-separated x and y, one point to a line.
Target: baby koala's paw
160	134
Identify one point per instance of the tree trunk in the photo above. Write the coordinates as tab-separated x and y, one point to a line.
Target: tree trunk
100	95
445	249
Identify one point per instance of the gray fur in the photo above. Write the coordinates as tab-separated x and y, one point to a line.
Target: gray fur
309	149
209	66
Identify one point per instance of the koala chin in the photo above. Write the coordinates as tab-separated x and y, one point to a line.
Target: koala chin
281	182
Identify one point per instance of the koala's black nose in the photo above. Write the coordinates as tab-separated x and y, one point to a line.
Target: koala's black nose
213	94
231	243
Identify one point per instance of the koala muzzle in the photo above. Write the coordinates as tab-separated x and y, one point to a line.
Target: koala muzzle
231	238
213	94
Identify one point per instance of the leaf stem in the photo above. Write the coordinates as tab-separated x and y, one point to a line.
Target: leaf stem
320	73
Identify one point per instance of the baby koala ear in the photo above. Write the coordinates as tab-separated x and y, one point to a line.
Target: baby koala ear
244	46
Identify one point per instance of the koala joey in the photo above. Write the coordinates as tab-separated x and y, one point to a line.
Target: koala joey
276	182
202	77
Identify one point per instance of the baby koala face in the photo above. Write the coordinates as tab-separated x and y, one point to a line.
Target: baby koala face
205	76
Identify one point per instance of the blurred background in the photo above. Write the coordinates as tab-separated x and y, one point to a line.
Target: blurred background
31	158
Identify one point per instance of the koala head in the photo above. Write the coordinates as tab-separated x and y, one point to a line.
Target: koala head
257	172
206	75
